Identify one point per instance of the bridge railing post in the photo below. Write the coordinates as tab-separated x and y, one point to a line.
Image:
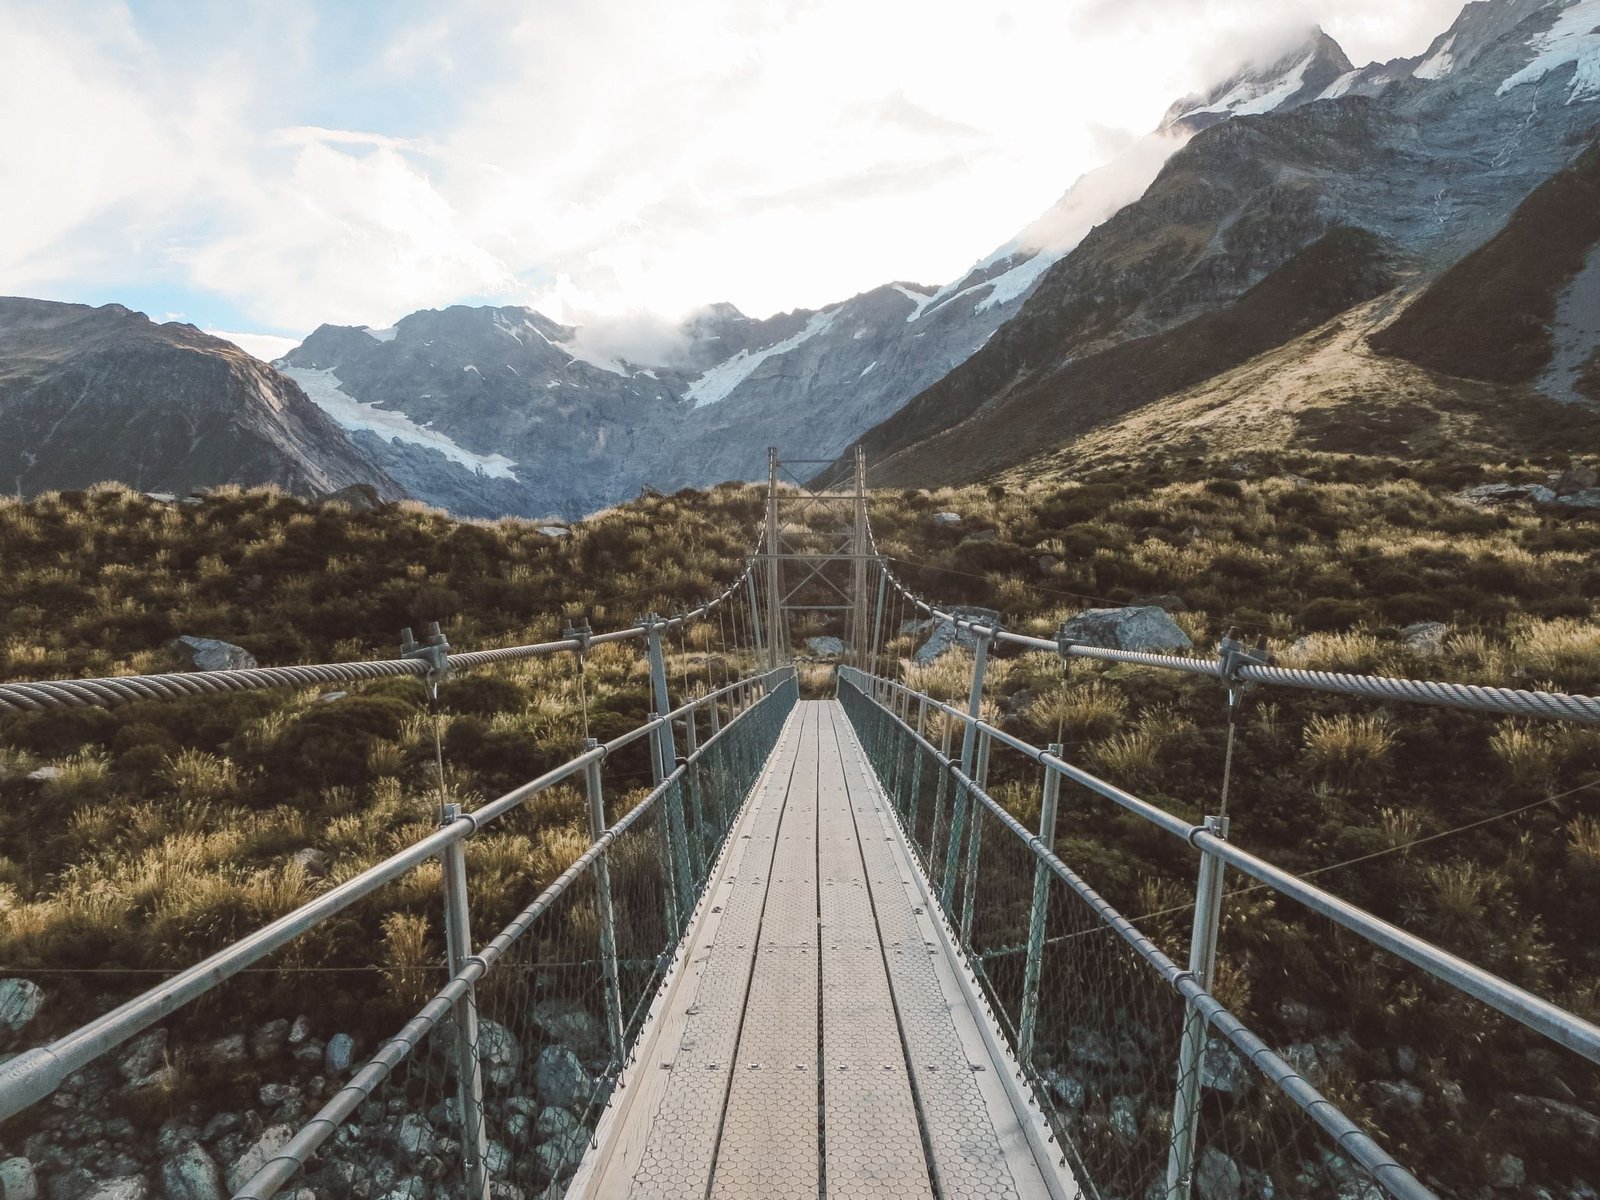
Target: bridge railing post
1202	966
947	727
980	776
608	922
469	1068
1038	913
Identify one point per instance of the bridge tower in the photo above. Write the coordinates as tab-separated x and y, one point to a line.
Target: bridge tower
823	569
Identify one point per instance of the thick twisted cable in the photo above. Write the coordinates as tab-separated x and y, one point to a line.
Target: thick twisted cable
114	690
1556	705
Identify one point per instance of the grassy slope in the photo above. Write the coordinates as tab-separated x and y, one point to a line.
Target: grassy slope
1489	316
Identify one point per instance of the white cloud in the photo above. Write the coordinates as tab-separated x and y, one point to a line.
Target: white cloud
593	159
264	346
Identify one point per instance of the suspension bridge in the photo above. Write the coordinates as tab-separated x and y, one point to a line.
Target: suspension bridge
819	958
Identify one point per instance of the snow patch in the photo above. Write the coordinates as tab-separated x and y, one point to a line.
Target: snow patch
870	365
1574	38
916	298
1018	281
352	414
1339	86
382	335
1246	101
473	369
1438	64
720	380
859	334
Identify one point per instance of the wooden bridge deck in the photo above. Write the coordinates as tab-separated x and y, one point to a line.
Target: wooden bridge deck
817	1038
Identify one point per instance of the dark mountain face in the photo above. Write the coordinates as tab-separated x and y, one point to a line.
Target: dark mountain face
90	394
1432	165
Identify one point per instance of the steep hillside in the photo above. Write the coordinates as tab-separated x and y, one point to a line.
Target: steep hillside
91	394
1343	268
1491	316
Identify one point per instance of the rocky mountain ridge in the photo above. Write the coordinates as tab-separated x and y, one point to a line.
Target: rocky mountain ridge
89	394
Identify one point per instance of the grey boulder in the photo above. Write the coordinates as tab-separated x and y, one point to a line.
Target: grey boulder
191	1175
209	654
20	1001
1143	628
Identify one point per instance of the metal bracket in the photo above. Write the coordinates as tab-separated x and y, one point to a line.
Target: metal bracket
578	630
435	652
1233	656
1064	644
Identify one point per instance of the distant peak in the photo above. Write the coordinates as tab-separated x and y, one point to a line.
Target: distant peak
1293	72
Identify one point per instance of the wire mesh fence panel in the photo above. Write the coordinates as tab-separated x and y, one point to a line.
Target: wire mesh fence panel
1465	1097
644	940
1002	918
1104	1057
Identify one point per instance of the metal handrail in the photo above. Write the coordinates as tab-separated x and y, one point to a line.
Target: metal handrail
36	1073
286	1162
1522	1006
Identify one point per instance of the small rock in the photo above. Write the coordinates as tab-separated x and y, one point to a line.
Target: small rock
273	1094
124	1187
560	1077
340	1054
558	1155
1146	628
945	636
226	1051
496	1158
20	999
272	1139
142	1055
1405	1058
309	1055
1425	638
1395	1097
44	775
568	1022
1125	1118
221	1124
499	1052
1217	1177
191	1175
1508	1172
209	654
312	861
1580	1128
1303	1057
1093	1049
556	1122
554	531
1047	563
1068	1089
17	1180
174	1137
946	518
825	647
414	1135
300	1031
1223	1070
1299	1018
330	697
268	1041
1453	1096
1507	493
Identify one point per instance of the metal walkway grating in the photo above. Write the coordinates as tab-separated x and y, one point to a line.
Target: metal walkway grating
815	1038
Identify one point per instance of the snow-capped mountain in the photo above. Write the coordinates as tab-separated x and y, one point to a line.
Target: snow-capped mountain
491	411
1395	171
1299	76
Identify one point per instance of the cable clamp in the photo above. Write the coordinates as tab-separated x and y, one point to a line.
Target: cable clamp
1065	643
1233	656
435	652
578	630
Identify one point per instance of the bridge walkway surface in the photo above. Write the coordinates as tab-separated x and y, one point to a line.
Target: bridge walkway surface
816	1038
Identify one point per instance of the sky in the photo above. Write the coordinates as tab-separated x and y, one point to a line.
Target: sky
261	168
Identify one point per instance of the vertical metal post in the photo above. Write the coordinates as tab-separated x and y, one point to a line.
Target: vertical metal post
938	795
860	634
697	816
877	624
962	801
1038	913
775	630
715	708
664	834
974	838
755	609
1202	966
608	921
658	686
469	1069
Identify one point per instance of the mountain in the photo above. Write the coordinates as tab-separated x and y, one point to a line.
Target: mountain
491	411
1302	75
1431	163
90	394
